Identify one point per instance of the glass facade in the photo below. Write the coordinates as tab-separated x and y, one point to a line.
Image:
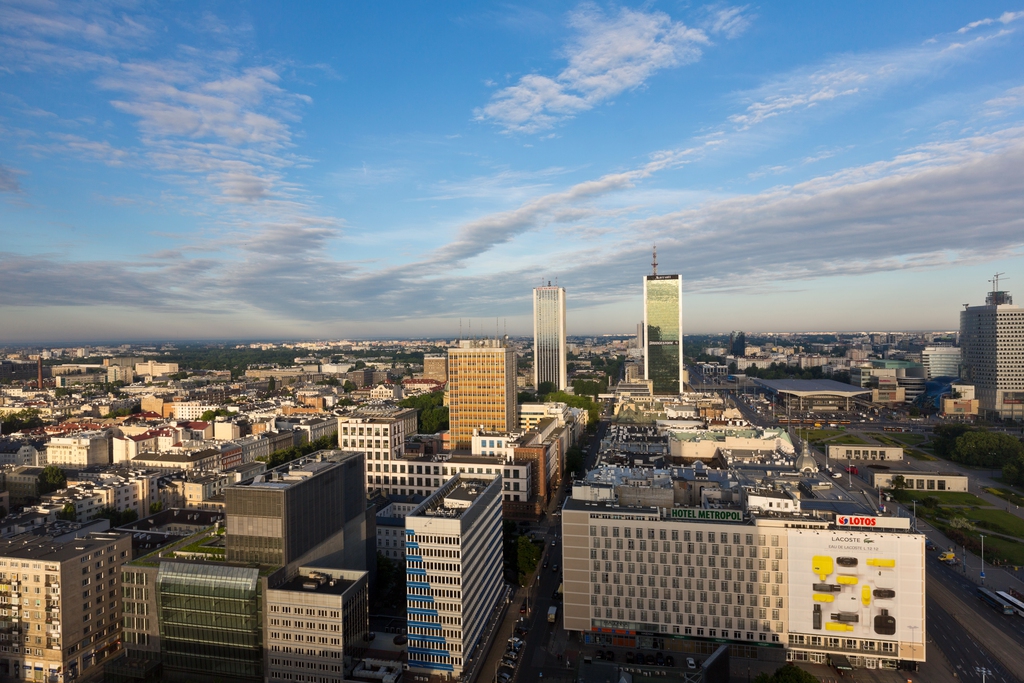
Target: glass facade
549	362
210	623
664	320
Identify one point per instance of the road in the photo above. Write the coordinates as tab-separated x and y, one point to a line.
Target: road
547	647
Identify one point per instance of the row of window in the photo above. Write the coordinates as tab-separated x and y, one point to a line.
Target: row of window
842	643
687	535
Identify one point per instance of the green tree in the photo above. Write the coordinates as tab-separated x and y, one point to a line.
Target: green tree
156	507
546	388
68	513
211	415
584	402
349	386
433	414
23	419
271	385
986	449
898	483
528	555
359	365
574	461
51	479
526	397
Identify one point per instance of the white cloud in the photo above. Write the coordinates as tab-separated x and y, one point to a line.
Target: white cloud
1004	18
608	56
731	22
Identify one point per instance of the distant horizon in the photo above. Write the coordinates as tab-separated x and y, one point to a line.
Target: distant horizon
286	340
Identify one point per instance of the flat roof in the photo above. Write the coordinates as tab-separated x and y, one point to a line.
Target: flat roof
811	387
307	584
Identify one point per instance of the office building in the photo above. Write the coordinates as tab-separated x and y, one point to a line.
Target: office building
60	605
991	339
941	361
312	622
312	508
767	559
435	367
663	322
549	349
209	621
380	433
453	569
481	389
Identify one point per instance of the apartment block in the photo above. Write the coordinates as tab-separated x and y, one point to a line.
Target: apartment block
453	572
60	605
79	450
435	367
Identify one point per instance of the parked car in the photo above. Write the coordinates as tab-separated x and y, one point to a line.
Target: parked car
690	663
522	607
670	660
650	660
600	655
610	656
659	659
629	658
509	663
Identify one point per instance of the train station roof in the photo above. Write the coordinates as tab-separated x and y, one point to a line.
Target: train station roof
811	387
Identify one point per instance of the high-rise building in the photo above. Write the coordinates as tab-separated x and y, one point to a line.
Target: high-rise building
481	389
941	361
549	336
738	344
435	367
453	572
61	605
663	321
991	337
312	508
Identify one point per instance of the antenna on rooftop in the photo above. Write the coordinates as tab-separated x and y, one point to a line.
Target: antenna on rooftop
654	260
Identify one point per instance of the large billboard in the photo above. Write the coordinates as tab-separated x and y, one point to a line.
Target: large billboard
862	584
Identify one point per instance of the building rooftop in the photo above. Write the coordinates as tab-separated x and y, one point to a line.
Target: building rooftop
315	582
811	387
454	498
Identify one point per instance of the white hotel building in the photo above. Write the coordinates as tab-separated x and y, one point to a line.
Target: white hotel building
453	572
776	585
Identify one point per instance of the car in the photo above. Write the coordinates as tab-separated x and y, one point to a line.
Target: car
509	663
599	655
399	640
670	660
554	568
522	608
511	655
553	543
545	564
629	658
504	677
930	546
690	663
610	656
650	660
659	659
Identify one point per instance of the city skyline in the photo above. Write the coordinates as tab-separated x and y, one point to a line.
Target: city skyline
328	172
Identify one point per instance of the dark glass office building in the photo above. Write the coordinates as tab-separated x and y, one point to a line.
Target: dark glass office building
210	626
663	320
310	508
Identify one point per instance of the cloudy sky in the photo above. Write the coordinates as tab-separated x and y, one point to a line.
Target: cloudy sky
229	170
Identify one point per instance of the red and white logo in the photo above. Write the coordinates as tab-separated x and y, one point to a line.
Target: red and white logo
846	520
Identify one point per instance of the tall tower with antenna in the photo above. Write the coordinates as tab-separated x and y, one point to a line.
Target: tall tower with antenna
663	331
991	337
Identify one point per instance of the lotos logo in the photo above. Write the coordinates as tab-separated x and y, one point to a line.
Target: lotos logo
846	520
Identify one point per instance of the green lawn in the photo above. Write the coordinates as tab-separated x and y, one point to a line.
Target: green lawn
818	434
909	439
918	455
1007	494
848	440
998	520
944	497
1002	549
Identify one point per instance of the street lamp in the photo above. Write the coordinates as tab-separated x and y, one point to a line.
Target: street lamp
983	671
982	559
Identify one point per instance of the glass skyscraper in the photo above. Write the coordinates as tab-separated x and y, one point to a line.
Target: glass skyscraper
663	343
549	336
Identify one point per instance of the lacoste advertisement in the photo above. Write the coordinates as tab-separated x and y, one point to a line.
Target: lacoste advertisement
856	584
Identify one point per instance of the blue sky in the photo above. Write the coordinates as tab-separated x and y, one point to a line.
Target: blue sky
226	170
